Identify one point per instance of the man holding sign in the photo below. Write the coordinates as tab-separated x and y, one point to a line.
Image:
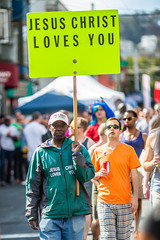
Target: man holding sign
51	185
71	43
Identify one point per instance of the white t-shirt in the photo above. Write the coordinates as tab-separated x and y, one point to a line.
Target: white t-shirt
7	143
33	132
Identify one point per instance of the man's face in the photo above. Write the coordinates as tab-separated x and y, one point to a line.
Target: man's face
100	113
146	113
112	130
18	115
58	130
7	122
72	130
129	120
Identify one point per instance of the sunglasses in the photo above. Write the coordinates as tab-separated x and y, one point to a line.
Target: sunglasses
112	126
73	127
97	108
129	119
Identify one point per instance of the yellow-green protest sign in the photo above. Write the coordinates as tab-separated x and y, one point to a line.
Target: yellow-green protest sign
73	43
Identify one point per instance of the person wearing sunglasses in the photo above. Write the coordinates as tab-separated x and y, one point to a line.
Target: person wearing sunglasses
135	138
116	203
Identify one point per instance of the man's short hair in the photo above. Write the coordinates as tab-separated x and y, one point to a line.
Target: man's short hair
132	112
157	107
35	116
83	123
101	129
114	118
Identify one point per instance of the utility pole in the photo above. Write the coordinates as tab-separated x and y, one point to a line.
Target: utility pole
92	6
136	70
57	3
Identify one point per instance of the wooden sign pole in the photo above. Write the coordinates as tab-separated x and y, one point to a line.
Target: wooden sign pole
75	121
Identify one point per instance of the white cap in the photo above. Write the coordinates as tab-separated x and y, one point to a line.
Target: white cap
58	116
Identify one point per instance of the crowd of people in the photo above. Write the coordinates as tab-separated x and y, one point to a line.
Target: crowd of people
42	154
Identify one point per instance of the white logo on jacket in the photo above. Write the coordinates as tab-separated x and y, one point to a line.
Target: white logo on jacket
55	171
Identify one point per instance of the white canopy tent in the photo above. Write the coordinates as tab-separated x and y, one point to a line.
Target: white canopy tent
88	90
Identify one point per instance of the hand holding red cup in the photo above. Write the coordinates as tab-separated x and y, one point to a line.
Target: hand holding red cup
106	165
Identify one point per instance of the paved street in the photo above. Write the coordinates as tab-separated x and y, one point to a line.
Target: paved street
13	224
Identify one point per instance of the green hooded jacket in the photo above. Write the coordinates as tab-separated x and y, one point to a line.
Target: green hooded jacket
51	182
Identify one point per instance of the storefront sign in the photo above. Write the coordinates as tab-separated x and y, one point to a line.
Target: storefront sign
9	74
24	89
157	91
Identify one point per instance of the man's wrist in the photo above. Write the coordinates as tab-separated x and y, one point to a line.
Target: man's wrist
135	196
97	175
74	153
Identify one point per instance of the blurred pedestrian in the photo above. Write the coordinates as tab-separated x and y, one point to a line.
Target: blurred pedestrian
2	118
95	228
143	125
47	135
151	225
17	152
51	185
139	112
121	110
88	115
33	132
18	115
24	149
82	125
148	175
116	203
135	138
100	112
8	134
155	116
152	164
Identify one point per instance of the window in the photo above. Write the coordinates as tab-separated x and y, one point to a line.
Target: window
4	26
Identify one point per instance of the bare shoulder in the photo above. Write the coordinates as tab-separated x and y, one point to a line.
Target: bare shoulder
150	140
144	136
91	149
149	151
94	148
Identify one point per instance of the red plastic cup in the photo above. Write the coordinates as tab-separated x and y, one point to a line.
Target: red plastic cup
106	166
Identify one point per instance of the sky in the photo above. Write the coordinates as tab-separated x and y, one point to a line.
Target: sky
123	6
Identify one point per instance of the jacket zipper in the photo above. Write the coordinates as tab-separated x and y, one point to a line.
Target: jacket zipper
65	183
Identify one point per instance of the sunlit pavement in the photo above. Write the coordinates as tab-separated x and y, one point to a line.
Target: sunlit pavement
13	224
